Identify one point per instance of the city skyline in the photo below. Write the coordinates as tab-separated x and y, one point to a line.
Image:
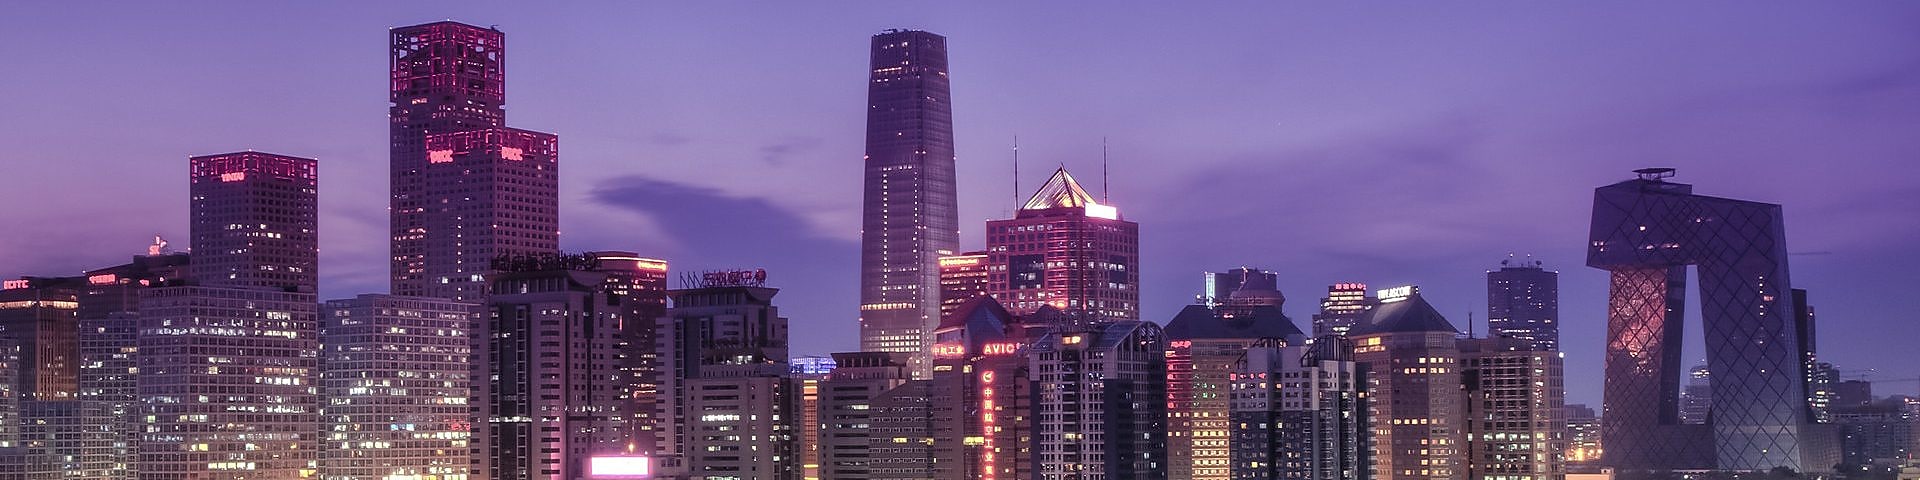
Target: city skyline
623	182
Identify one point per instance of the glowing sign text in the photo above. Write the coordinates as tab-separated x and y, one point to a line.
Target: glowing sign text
511	153
949	350
233	176
1004	348
987	469
13	284
1394	294
103	279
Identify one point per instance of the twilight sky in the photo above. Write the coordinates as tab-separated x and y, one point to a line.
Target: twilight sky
1378	142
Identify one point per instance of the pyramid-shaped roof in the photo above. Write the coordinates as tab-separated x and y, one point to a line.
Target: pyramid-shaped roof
1411	315
1059	191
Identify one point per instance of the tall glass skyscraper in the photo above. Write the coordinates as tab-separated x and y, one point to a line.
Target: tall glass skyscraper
1523	302
1646	232
909	218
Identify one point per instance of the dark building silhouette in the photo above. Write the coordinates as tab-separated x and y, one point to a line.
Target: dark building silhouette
1646	232
1523	301
909	216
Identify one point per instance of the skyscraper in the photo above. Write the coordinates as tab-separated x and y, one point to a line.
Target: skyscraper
1413	389
846	410
1204	344
1300	412
1100	397
909	216
41	316
227	368
1645	233
395	372
1065	250
726	387
109	341
255	221
1523	301
1515	409
465	189
550	394
490	193
1343	306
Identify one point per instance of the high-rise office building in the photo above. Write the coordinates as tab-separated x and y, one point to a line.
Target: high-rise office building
445	77
1204	344
1515	409
395	374
909	216
1413	387
255	221
56	440
1343	306
641	283
1100	402
727	403
1696	401
1300	412
109	326
1253	285
490	193
41	317
900	444
962	277
550	395
1523	301
1645	233
847	398
1065	250
807	374
228	366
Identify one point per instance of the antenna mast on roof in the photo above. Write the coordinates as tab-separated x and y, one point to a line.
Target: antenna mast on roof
1016	172
1103	169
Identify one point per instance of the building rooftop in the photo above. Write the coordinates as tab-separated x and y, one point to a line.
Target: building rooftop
1413	314
1198	321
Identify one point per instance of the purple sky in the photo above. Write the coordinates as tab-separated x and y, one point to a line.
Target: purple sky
1385	143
